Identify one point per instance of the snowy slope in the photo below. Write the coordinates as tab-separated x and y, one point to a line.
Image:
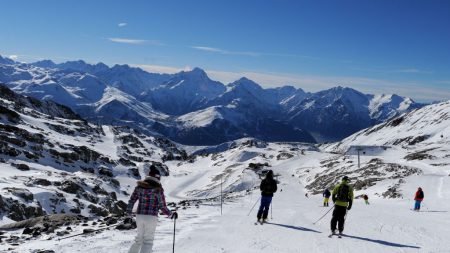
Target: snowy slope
53	161
429	125
386	225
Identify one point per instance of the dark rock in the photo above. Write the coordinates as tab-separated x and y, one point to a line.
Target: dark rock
37	233
135	173
105	172
70	187
89	197
60	233
126	162
125	227
19	192
99	211
22	167
99	190
284	156
42	181
27	231
111	221
113	195
88	230
88	170
115	182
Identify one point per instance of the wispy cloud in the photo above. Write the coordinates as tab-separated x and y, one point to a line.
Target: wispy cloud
413	71
222	51
248	53
388	70
123	24
135	41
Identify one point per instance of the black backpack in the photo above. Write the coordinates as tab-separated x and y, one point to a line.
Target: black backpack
268	186
343	192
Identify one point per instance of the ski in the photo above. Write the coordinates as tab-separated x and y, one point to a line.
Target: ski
338	235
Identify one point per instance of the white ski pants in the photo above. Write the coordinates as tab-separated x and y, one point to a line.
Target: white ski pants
146	226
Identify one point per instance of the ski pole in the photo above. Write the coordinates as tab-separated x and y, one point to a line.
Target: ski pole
253	206
174	227
324	215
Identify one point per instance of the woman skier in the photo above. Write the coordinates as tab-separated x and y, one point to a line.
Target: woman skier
150	195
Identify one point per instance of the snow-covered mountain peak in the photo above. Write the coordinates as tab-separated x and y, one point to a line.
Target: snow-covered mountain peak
6	60
246	84
194	75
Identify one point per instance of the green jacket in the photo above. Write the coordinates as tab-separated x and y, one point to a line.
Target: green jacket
340	202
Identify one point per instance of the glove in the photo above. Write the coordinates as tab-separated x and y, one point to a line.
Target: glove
333	199
174	216
349	206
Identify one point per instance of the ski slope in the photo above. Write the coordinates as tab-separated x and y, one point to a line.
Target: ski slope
386	225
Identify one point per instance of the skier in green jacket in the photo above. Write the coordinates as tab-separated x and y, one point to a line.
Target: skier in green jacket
342	197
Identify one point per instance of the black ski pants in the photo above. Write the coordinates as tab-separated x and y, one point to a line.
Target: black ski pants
339	213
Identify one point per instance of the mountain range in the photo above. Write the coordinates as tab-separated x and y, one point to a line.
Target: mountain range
190	108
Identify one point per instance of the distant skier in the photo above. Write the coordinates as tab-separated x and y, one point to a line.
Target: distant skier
366	199
418	198
151	198
268	187
326	197
342	197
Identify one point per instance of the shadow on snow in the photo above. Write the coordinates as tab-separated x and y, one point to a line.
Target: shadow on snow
294	227
386	243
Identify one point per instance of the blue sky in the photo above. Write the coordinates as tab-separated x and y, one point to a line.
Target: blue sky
382	46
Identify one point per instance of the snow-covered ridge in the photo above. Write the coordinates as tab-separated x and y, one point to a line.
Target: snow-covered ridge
424	126
162	104
53	161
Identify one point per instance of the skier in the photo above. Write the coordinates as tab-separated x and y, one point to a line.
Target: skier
418	198
366	199
268	186
342	197
326	195
151	198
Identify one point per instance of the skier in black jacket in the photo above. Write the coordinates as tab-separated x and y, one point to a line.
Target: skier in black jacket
268	186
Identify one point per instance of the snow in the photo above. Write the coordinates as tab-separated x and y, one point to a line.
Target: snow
200	118
386	225
432	122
